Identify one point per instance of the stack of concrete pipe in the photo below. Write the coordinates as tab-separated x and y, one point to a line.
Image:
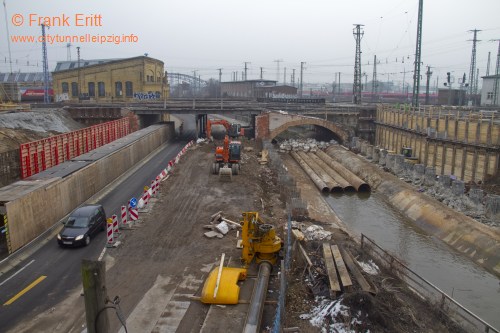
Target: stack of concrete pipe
327	174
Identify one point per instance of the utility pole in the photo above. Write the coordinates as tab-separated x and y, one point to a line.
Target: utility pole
261	72
418	56
488	65
293	77
284	77
339	83
246	69
429	73
302	63
68	51
477	81
356	87
277	61
374	79
472	73
78	57
46	68
220	86
95	295
497	74
8	35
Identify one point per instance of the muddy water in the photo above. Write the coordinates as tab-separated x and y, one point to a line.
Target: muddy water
470	285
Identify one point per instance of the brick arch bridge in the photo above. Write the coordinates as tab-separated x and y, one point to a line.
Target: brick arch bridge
269	125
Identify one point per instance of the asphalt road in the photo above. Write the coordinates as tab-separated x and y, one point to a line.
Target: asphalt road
46	277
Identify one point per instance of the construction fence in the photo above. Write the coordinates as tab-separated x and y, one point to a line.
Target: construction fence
37	156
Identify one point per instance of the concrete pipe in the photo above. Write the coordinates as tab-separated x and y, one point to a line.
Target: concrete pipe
344	184
320	184
254	316
478	241
354	180
329	181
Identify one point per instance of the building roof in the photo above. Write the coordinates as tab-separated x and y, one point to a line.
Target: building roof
247	81
491	77
29	77
72	65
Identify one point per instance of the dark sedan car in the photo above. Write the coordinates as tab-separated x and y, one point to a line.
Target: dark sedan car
82	224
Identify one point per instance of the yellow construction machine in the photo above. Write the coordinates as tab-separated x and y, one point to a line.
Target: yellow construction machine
259	241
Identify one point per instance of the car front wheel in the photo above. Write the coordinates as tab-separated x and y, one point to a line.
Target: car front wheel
87	240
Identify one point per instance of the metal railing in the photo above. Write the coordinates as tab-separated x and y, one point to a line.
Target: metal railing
427	290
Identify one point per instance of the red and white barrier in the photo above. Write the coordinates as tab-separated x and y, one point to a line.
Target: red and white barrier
153	188
145	197
115	227
134	214
124	217
109	232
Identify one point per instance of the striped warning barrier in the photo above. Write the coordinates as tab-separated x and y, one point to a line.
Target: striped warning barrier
163	173
116	231
124	217
153	188
134	213
145	196
109	232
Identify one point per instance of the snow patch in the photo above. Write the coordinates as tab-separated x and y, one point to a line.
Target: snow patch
370	267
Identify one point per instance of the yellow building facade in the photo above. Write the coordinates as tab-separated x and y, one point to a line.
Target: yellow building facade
122	80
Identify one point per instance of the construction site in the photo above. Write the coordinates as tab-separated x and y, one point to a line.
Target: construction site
249	235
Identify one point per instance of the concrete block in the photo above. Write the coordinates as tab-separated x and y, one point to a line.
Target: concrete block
354	142
430	176
376	154
493	207
398	164
213	234
445	181
389	161
458	187
408	169
369	152
476	195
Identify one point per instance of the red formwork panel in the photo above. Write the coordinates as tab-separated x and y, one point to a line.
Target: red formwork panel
40	155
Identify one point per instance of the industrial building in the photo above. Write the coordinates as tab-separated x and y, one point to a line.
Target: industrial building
113	80
488	96
247	88
23	87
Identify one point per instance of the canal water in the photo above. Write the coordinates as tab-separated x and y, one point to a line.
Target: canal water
470	285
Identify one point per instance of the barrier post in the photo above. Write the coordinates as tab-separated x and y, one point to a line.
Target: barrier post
109	232
115	227
145	196
134	213
124	217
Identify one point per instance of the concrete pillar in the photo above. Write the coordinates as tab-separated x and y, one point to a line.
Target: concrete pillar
418	172
354	141
408	169
430	176
493	207
376	154
445	181
476	195
458	187
389	161
382	157
363	148
369	152
398	163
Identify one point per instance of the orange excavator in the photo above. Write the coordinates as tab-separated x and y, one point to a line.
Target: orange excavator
232	130
227	159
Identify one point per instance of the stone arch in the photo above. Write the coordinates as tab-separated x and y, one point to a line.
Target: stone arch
343	133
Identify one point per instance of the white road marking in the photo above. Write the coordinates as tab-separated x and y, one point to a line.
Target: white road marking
102	254
19	271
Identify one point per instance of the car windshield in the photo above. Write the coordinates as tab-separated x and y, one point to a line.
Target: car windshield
77	222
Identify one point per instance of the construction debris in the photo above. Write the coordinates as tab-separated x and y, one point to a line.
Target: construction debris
316	232
213	234
304	145
222	227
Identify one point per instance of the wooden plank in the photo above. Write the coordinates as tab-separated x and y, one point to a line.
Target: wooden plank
332	272
355	270
339	263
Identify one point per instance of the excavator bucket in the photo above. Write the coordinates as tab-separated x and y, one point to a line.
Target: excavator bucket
225	173
224	290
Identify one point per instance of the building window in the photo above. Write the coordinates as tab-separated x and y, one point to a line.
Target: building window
101	89
118	89
65	87
74	89
489	95
91	89
129	89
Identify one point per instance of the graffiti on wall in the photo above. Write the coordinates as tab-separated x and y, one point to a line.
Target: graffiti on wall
147	95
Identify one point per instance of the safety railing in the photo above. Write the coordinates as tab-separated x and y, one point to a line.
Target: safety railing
426	289
37	156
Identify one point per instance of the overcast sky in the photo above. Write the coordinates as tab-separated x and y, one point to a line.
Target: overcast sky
204	35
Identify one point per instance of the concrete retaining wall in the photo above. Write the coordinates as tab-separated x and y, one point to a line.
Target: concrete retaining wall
9	167
478	241
48	201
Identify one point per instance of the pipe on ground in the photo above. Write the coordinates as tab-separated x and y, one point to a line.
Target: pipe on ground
254	316
329	181
479	242
320	184
344	184
354	180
